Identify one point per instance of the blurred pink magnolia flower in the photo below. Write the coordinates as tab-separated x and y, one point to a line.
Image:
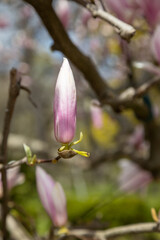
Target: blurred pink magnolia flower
13	178
155	44
96	114
65	105
63	11
124	9
151	10
3	22
132	177
52	197
137	137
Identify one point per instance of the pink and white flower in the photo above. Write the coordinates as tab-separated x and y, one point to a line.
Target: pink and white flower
14	178
65	105
52	197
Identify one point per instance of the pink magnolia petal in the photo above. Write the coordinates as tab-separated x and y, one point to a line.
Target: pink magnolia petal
52	197
44	185
59	200
13	178
65	105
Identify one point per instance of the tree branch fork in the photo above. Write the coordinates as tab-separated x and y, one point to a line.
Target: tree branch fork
62	42
125	30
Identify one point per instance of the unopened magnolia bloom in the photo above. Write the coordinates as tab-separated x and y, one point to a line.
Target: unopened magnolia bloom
65	112
52	197
65	105
13	178
155	44
96	114
132	177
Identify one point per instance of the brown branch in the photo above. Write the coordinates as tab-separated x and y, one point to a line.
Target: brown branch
106	95
102	4
29	95
117	231
146	86
65	45
131	98
81	2
14	90
81	61
130	94
55	47
13	164
125	30
24	160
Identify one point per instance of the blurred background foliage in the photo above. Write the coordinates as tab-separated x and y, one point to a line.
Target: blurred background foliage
95	196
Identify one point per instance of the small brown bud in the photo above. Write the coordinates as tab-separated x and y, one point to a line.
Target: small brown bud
67	153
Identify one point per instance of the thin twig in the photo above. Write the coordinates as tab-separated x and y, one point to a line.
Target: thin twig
14	164
125	30
102	4
24	160
118	231
51	234
29	95
131	93
17	230
14	90
146	86
53	160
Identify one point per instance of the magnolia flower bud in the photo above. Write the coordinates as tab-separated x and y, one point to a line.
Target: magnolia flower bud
52	197
65	105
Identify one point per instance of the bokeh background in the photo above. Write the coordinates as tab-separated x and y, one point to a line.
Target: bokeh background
108	189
